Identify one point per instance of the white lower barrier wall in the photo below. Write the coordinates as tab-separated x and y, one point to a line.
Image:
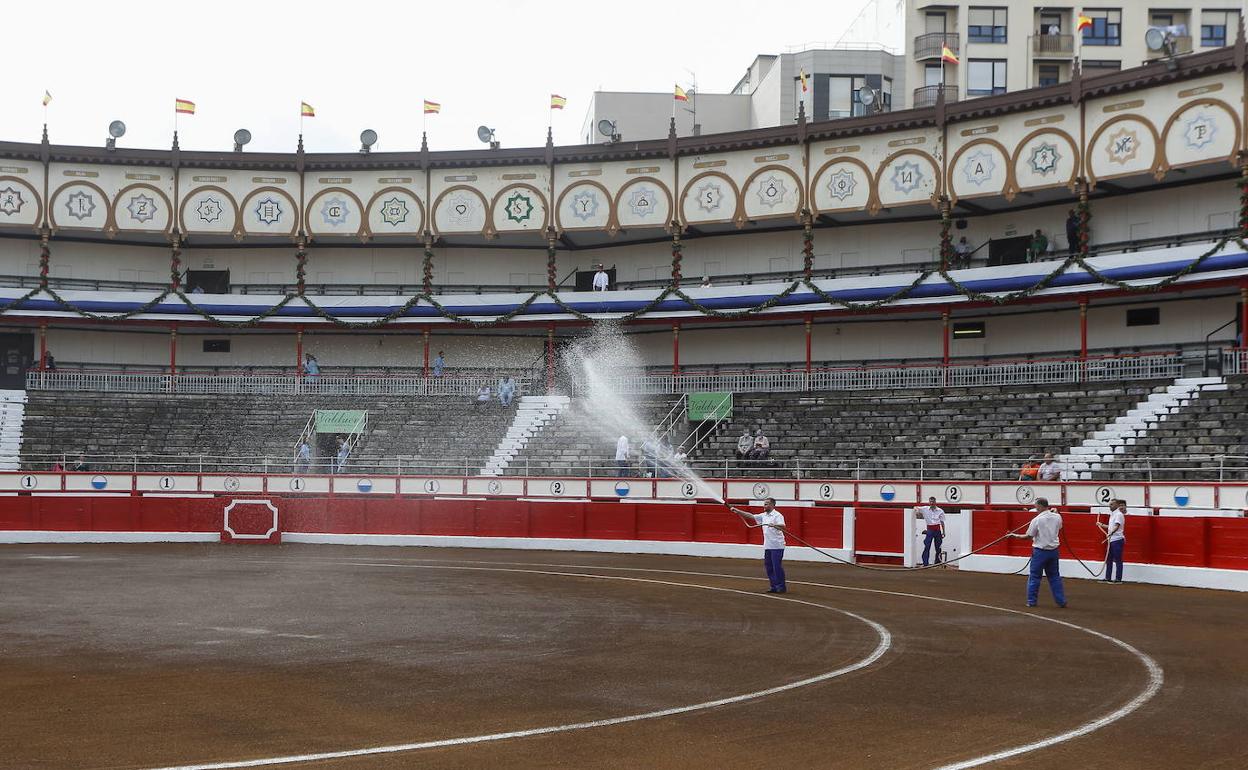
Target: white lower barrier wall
14	537
1156	574
664	547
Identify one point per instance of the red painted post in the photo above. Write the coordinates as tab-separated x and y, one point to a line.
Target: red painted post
299	352
550	358
675	349
425	335
43	346
808	325
173	349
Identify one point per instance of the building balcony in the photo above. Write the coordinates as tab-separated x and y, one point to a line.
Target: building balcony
928	46
1052	46
928	95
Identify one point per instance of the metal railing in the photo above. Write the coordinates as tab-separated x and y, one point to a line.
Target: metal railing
191	383
927	96
1234	361
1060	46
1000	468
1146	366
929	45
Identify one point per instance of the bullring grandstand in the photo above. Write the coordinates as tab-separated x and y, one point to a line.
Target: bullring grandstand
1029	298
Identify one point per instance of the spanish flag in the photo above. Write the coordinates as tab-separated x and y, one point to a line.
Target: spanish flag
680	95
47	97
801	75
432	108
947	55
306	111
1082	23
184	106
557	102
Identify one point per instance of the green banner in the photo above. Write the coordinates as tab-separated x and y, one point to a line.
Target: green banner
339	420
709	406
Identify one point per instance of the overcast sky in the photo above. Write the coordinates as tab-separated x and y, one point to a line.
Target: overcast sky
370	64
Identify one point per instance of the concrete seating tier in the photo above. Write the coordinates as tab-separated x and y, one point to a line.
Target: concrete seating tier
885	434
1206	441
449	430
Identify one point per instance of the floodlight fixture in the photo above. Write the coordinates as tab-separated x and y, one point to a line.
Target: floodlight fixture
241	137
368	137
116	130
608	129
486	135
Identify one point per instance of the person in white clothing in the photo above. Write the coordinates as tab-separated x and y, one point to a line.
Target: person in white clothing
601	279
1045	534
621	456
1116	538
934	520
1050	469
772	522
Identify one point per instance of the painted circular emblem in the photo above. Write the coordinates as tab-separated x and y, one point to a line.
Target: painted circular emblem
887	492
98	482
1104	495
29	482
364	485
494	487
167	482
1182	497
296	484
953	493
688	490
761	491
556	487
622	488
231	484
1025	495
826	491
432	486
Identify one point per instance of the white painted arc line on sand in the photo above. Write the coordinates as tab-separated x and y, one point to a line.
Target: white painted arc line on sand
1156	677
884	644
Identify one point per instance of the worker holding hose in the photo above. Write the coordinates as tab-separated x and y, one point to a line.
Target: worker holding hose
1045	534
772	522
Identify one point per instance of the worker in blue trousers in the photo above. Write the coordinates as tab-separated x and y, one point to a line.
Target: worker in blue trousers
1044	531
1115	539
934	521
772	522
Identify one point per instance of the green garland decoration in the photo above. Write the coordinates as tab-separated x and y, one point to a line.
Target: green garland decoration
45	257
808	248
551	276
250	322
1083	210
900	294
427	271
301	268
175	267
676	255
1243	198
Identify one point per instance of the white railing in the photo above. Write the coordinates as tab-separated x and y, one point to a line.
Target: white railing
1101	369
263	384
1234	361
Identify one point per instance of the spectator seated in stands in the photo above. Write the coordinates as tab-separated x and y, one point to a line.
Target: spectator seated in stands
762	447
506	391
1050	469
1030	470
483	396
1038	248
744	444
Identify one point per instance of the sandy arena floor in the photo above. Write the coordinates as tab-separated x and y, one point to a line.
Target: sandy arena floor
176	656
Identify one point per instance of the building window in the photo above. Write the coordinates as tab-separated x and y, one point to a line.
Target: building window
1161	19
969	330
216	346
933	75
1098	66
985	77
1106	27
986	25
886	94
934	22
1144	316
1050	24
1050	74
841	96
1213	27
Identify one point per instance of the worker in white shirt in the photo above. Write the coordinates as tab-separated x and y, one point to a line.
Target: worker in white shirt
1116	538
601	279
621	456
934	519
1050	469
772	522
1044	531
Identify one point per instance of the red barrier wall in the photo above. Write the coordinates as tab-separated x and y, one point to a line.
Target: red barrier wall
1219	543
879	530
